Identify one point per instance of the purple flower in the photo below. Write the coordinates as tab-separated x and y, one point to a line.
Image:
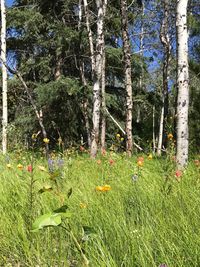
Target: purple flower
163	265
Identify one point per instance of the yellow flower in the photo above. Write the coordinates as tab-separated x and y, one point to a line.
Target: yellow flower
83	205
118	135
20	167
99	188
170	136
122	139
46	140
140	163
9	166
150	156
106	188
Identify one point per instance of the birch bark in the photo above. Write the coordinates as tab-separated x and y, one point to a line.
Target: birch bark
4	78
165	40
128	82
182	83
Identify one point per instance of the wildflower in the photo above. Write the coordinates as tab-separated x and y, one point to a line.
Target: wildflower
163	265
34	136
170	136
99	188
20	167
178	175
140	163
29	168
118	135
83	205
140	159
103	152
122	139
106	188
150	156
98	161
82	149
111	161
9	166
46	140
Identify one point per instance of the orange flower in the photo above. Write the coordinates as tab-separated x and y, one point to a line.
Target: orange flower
106	188
140	159
98	161
170	136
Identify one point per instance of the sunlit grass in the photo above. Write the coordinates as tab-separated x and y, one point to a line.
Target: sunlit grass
145	222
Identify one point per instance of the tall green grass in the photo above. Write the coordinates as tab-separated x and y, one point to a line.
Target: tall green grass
141	223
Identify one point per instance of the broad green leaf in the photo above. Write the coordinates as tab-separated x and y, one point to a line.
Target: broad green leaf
45	220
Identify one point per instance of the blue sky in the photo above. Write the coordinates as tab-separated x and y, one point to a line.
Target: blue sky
9	2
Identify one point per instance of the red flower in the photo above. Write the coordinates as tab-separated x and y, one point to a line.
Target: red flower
178	173
111	161
29	168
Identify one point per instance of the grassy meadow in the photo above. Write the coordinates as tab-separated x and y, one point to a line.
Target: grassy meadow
122	212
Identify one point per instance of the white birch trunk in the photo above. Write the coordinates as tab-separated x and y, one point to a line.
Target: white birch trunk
103	97
182	83
90	37
4	78
97	77
128	82
165	40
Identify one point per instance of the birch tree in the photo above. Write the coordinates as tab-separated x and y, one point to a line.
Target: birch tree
127	72
4	78
182	83
165	40
97	75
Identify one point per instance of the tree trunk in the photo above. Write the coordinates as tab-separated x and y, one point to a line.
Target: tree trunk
97	77
103	97
4	78
128	82
165	40
182	83
90	37
142	71
85	101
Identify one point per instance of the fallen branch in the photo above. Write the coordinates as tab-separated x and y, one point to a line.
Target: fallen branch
121	129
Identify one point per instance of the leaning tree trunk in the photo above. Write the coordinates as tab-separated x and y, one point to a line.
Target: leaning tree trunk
182	83
4	78
97	77
165	40
128	82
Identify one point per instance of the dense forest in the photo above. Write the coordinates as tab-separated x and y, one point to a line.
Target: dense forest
81	72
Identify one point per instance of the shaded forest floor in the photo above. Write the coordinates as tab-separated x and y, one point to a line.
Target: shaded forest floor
131	212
